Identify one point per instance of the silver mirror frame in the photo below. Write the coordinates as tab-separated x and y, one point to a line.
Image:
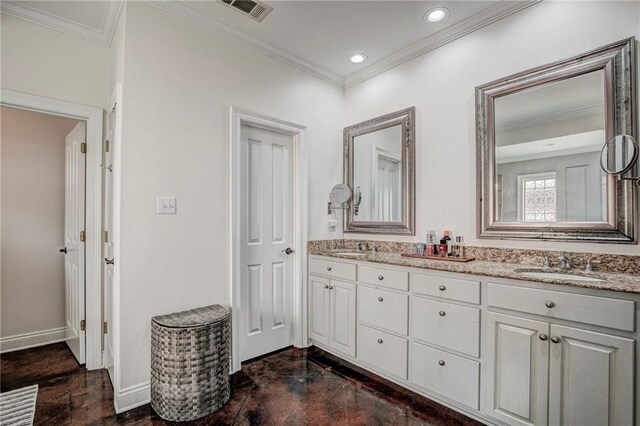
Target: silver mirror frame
618	62
406	226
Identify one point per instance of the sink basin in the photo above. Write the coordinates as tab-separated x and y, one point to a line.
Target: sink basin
553	274
350	253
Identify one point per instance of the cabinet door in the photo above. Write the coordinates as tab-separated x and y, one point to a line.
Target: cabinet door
342	334
590	378
517	369
319	309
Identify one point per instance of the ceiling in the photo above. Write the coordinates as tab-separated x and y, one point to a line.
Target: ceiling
315	36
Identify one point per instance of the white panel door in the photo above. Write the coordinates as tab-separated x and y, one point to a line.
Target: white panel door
108	243
319	309
517	367
74	224
590	378
342	328
266	234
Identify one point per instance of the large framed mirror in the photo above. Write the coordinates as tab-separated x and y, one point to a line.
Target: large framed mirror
379	167
539	137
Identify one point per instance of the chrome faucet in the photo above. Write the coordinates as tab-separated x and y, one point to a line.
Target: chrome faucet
361	246
564	262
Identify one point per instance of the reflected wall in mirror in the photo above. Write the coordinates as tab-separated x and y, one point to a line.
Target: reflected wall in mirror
379	167
540	134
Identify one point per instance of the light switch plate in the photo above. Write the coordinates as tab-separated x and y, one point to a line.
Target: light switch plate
166	205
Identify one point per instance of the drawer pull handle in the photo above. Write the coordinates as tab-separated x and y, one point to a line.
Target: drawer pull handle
329	268
380	299
380	341
555	339
441	362
549	304
380	277
543	337
442	288
326	286
442	313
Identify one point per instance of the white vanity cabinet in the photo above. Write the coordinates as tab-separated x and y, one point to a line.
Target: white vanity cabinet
501	351
332	313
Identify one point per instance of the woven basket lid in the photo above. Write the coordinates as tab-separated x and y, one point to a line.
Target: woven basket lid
194	317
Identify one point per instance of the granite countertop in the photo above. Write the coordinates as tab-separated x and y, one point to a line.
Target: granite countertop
626	283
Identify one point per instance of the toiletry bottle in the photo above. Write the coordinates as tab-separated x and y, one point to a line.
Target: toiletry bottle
444	247
461	248
431	247
455	248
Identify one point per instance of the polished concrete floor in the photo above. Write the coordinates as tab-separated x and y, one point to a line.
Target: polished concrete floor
291	387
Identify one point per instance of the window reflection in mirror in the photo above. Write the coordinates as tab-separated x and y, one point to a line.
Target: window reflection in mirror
377	176
547	152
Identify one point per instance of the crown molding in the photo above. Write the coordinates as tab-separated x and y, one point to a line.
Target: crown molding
466	26
208	23
551	117
102	37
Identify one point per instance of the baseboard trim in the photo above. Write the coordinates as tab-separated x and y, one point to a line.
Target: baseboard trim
32	340
132	397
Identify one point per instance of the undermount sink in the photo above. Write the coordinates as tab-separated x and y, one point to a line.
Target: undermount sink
350	253
554	274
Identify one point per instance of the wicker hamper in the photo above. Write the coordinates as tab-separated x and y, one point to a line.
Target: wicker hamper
190	363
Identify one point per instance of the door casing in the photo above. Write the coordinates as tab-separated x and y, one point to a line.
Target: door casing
239	117
93	200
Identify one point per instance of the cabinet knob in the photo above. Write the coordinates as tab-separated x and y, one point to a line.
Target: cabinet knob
380	299
380	277
555	339
380	341
549	304
441	362
326	286
330	287
442	288
543	337
442	313
329	268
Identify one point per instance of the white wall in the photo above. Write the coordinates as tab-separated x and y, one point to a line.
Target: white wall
32	212
43	62
179	83
441	84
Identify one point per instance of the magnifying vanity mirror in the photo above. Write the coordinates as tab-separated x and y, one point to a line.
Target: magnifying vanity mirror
619	155
379	167
339	197
544	170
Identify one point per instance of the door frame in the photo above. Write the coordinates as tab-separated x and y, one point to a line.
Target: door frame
93	205
238	118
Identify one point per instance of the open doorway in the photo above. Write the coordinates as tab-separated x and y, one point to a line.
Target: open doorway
43	222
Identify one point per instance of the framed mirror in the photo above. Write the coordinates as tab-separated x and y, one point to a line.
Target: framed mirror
379	167
540	134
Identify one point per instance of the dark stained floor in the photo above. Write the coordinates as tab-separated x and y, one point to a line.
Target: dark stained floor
291	387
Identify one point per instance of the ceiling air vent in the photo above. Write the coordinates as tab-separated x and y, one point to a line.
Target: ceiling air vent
255	9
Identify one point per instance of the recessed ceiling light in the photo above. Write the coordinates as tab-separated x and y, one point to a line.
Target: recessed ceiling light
437	14
358	58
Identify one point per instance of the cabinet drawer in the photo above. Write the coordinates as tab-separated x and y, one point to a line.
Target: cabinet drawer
447	288
445	324
449	375
384	277
596	310
330	268
384	309
382	350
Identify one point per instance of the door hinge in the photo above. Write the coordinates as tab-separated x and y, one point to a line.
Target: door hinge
104	327
83	147
106	145
83	236
106	236
83	325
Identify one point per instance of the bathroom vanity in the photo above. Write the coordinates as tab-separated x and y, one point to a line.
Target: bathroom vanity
484	338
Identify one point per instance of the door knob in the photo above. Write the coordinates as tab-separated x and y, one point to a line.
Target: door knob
63	250
287	251
108	261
